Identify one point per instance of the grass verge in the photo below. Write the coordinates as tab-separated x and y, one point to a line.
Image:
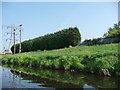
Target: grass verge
100	59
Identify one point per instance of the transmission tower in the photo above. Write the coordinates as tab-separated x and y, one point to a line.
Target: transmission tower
20	39
12	37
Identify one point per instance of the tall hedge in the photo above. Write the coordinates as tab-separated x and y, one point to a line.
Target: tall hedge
60	39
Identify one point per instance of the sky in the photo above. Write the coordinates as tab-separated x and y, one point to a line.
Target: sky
39	18
0	27
119	11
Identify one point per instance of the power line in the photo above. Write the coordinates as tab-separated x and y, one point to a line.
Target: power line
13	35
20	39
14	39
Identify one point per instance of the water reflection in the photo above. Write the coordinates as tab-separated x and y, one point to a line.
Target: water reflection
0	77
22	77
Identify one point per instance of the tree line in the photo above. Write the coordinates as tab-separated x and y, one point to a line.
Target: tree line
112	36
113	31
57	40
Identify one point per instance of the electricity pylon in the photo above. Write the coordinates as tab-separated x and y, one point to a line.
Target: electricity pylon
13	35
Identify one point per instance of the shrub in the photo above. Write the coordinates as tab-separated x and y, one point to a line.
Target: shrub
60	39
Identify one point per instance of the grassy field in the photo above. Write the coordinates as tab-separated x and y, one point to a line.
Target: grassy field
84	58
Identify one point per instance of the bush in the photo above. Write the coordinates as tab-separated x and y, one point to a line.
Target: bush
60	39
85	58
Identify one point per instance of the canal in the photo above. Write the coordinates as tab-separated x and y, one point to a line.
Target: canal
33	78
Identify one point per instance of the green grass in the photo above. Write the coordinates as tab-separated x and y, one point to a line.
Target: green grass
85	58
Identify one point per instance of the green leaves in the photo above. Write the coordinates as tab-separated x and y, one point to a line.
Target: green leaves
60	39
85	58
99	63
114	31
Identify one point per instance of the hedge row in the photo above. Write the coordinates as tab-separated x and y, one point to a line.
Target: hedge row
60	39
99	41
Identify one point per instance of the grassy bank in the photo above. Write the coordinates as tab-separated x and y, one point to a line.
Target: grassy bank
91	59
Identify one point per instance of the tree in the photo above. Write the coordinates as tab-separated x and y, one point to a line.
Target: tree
114	31
60	39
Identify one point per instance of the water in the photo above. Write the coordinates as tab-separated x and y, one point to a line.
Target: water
23	77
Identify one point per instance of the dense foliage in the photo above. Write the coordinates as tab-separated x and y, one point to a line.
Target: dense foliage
86	58
60	39
112	36
95	41
113	31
